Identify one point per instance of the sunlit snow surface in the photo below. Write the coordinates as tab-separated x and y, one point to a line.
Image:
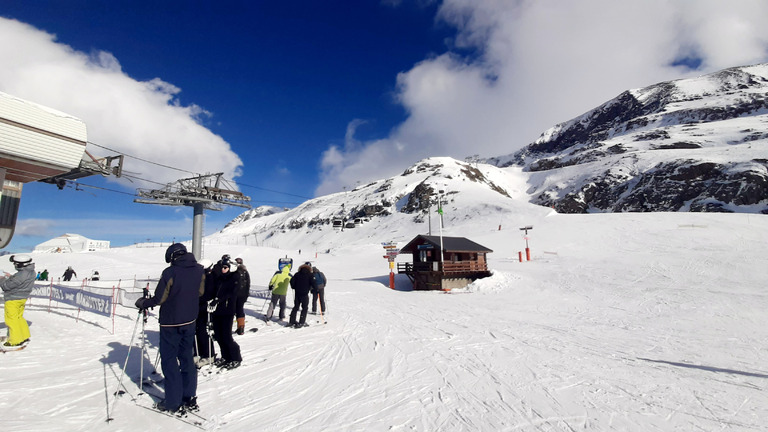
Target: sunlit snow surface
643	322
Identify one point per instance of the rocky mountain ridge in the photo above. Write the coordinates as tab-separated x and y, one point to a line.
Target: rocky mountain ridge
697	144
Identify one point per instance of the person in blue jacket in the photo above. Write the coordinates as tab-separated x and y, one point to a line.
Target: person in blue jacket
177	293
319	292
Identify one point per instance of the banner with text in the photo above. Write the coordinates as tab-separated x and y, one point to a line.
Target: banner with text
100	304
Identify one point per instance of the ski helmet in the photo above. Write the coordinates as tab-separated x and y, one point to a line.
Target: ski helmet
174	251
20	260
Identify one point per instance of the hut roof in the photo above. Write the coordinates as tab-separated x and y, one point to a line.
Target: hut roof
450	244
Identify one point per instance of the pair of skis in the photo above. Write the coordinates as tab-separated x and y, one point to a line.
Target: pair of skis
199	422
152	391
191	418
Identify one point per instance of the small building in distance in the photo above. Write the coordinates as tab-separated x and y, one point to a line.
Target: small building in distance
463	262
71	243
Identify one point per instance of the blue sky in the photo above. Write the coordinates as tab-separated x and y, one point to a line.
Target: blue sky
281	82
294	99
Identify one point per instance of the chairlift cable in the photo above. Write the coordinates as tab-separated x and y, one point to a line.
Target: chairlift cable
190	172
142	159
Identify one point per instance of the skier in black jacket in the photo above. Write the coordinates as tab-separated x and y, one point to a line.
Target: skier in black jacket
204	348
177	294
68	273
242	294
302	282
223	309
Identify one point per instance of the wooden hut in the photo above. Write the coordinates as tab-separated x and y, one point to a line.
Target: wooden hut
463	262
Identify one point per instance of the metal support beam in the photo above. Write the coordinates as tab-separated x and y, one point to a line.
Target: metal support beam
197	230
202	193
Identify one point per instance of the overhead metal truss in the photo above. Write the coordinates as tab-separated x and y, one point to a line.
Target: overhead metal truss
89	166
210	190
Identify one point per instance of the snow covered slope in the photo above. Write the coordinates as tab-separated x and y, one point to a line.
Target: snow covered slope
689	145
620	322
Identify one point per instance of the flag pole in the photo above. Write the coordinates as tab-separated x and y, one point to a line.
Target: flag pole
440	211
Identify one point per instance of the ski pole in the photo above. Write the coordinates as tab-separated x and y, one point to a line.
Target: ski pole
125	365
197	346
211	338
157	361
321	308
143	351
266	300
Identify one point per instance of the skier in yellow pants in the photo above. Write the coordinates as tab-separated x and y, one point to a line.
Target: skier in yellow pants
17	289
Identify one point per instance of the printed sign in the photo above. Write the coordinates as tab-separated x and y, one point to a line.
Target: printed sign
96	303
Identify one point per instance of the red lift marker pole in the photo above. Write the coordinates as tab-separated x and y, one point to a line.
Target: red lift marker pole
527	250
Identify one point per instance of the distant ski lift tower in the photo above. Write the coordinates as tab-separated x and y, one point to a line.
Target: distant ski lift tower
208	191
38	143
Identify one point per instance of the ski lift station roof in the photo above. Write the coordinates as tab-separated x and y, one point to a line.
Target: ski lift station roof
38	142
71	243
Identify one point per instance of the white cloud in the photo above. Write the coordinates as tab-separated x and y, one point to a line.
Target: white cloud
35	227
520	67
142	119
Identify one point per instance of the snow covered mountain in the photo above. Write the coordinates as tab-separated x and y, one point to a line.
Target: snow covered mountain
257	212
696	145
396	208
688	145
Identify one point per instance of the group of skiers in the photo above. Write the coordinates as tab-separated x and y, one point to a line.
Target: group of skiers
197	298
42	276
194	298
227	285
67	276
307	280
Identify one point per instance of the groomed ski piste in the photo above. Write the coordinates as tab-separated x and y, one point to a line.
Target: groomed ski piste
623	322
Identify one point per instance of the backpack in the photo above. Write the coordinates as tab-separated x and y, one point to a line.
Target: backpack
320	278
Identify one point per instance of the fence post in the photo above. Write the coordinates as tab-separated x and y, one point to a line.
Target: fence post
50	296
82	285
115	293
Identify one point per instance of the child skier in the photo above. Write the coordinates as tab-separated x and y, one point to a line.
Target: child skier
17	289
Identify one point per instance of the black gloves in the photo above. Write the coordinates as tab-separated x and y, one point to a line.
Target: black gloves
140	303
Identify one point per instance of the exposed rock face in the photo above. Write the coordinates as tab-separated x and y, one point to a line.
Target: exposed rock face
688	145
671	186
255	213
